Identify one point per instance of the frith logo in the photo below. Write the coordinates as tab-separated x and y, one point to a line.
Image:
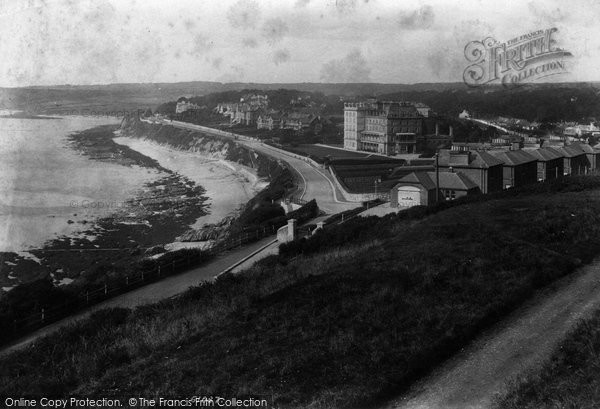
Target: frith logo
527	58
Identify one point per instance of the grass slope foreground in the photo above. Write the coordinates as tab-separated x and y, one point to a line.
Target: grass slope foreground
570	378
344	319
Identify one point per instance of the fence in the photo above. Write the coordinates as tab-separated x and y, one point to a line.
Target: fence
141	277
136	279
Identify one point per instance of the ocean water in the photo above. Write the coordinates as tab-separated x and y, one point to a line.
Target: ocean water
44	183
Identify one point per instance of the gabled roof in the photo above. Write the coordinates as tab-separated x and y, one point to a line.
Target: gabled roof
583	147
299	115
514	158
448	180
477	159
544	154
421	178
400	171
568	152
273	115
484	160
454	181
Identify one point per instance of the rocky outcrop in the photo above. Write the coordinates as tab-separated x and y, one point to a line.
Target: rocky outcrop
212	232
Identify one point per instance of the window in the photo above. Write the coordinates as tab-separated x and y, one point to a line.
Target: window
449	194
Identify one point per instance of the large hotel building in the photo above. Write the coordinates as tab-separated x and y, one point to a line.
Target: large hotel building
384	127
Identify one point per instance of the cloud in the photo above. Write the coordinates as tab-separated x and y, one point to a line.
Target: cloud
417	19
235	73
275	29
445	64
352	68
301	3
466	31
545	16
216	63
244	14
249	42
345	7
281	56
201	44
189	24
100	17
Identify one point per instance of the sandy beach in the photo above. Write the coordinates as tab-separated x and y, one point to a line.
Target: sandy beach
228	185
103	196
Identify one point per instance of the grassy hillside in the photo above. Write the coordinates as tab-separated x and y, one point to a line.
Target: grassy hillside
346	318
570	379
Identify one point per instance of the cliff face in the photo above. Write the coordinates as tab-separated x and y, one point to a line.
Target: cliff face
208	145
259	211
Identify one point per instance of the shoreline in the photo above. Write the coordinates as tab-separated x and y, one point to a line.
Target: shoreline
110	244
144	226
213	173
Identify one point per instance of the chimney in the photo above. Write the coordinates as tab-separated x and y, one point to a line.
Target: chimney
459	158
291	229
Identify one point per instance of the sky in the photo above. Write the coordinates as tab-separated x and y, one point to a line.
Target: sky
52	42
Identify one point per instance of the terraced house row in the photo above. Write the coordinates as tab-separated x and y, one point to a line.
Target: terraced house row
476	172
461	173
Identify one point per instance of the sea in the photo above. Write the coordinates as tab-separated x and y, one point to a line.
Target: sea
44	183
47	188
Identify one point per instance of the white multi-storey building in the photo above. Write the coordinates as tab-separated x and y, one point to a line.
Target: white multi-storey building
354	123
385	127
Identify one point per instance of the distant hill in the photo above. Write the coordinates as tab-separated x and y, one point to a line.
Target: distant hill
73	99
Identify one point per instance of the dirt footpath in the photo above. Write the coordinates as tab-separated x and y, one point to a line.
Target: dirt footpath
522	341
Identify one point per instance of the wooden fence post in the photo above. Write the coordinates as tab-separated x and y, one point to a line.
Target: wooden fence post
142	275
159	270
43	315
105	289
127	281
87	297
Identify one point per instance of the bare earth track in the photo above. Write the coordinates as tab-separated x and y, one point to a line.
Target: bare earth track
520	342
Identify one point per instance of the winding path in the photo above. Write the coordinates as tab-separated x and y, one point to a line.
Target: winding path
317	181
316	184
520	342
160	290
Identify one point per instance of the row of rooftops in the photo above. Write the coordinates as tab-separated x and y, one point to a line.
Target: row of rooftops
373	103
264	114
457	161
487	159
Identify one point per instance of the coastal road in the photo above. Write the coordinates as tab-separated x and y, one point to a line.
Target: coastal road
521	342
318	183
163	289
